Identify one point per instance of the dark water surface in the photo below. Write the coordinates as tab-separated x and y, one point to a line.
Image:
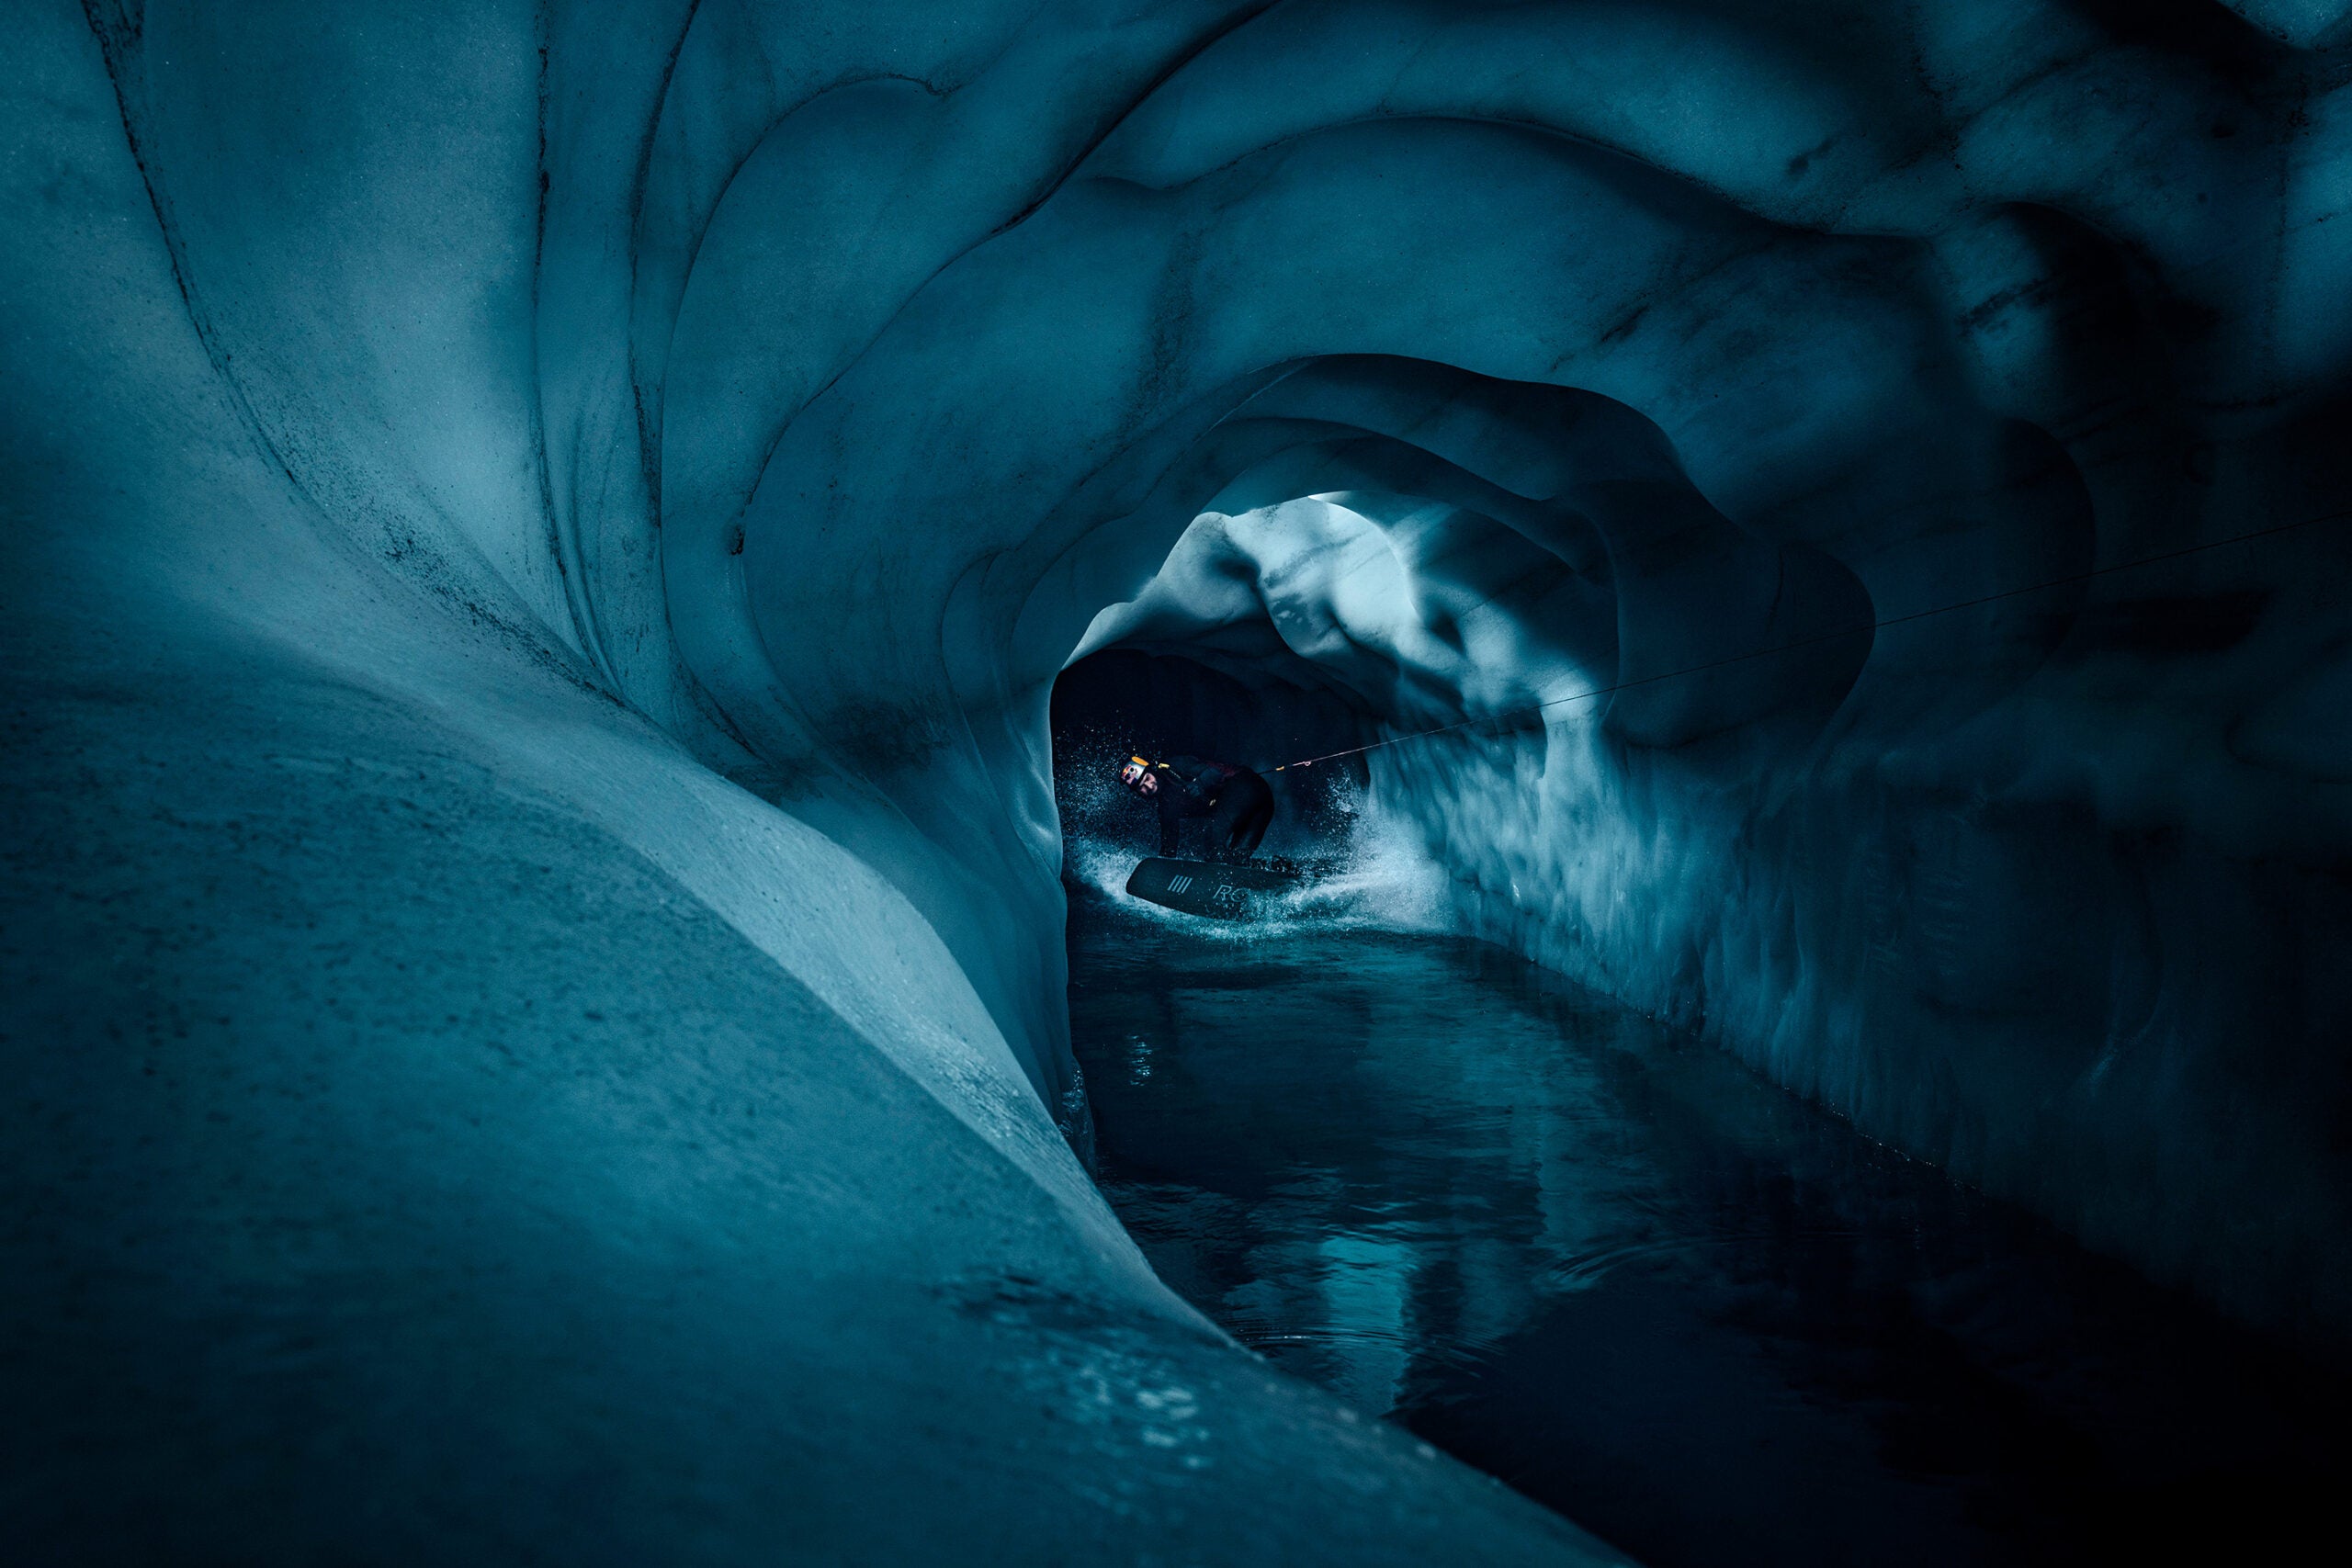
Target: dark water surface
1648	1289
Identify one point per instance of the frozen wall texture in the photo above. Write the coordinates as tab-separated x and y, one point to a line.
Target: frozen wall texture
539	533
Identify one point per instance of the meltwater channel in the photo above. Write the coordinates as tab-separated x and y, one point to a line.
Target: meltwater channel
1615	1270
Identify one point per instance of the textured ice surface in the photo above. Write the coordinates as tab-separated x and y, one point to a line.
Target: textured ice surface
539	536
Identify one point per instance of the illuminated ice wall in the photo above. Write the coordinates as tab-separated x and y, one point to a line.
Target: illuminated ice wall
540	539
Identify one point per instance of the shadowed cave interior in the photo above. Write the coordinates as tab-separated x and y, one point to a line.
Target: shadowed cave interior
578	573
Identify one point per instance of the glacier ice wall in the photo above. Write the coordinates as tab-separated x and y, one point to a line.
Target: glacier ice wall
540	538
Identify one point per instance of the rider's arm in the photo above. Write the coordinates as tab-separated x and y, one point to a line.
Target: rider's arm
1172	814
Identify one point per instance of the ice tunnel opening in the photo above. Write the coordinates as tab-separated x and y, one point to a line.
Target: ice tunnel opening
1522	574
1298	638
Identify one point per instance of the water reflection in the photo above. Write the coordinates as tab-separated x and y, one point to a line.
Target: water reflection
1614	1269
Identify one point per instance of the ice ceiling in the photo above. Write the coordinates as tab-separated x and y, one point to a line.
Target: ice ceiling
540	536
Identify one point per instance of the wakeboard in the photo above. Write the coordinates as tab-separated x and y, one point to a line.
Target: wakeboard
1212	889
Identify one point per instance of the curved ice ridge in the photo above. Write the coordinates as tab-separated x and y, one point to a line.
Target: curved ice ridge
544	531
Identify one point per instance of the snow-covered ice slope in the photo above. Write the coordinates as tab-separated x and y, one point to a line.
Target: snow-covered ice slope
540	538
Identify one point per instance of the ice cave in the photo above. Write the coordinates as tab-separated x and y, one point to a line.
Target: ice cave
578	578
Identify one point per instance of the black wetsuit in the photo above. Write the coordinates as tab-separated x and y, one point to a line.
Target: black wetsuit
1238	803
